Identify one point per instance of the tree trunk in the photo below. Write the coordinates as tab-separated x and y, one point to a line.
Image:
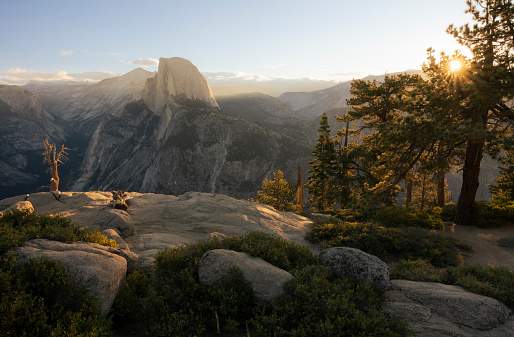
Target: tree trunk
299	192
440	189
54	182
471	172
423	187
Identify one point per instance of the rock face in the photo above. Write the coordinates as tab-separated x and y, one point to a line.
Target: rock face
355	264
117	219
176	77
267	280
101	270
80	106
186	145
23	129
435	309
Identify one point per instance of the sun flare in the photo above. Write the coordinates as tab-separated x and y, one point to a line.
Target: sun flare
455	65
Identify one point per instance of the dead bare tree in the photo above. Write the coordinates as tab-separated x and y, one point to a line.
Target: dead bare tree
53	159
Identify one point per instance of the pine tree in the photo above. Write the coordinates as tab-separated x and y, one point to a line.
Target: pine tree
278	193
504	188
489	120
392	140
323	168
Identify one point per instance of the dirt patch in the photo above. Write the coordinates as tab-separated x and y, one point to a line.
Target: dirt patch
484	243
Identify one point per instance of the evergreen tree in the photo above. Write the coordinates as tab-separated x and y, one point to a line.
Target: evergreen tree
278	193
391	138
489	119
504	188
323	168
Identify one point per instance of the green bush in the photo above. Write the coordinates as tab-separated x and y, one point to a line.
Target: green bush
415	270
316	301
448	212
19	226
494	282
357	213
492	214
394	216
129	302
391	244
38	299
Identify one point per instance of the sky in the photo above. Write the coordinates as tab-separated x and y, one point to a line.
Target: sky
334	40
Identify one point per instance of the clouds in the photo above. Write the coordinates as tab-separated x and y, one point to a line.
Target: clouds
66	52
231	76
148	62
18	76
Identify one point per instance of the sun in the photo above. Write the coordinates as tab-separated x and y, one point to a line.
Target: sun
455	65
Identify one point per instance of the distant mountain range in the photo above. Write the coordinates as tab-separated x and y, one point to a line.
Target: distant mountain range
165	132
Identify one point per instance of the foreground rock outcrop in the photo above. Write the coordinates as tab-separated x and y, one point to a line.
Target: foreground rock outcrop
267	281
166	221
101	270
435	309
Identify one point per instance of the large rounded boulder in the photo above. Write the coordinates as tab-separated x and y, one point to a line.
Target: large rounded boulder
267	280
357	265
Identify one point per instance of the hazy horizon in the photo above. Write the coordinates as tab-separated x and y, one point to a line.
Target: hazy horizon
330	40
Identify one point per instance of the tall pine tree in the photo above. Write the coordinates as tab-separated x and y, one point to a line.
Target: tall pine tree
323	168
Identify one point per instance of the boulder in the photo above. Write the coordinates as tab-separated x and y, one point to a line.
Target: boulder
8	202
355	264
267	280
435	309
101	270
117	219
21	205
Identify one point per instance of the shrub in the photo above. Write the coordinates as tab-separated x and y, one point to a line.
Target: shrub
316	302
492	214
394	216
448	212
415	270
19	226
357	213
390	244
494	282
38	299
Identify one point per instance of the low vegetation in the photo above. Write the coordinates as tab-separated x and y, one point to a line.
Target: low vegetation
497	283
316	302
38	298
390	244
19	226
